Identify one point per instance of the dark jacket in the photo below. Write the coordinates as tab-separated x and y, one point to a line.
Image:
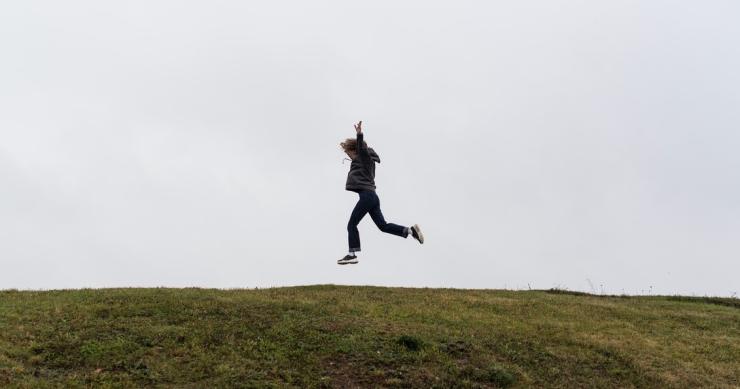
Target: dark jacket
361	174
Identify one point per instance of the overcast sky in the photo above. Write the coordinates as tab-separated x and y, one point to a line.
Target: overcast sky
588	145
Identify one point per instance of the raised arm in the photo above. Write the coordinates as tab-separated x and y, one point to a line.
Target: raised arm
361	145
360	136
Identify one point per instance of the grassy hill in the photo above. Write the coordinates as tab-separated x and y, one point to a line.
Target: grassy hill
333	336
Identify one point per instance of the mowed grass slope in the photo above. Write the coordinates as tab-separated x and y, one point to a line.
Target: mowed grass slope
335	336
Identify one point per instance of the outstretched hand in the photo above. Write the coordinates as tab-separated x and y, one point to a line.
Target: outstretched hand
358	127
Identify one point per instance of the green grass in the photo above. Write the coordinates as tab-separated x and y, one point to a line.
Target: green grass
333	336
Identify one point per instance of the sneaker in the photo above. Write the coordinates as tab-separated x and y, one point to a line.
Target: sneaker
348	260
416	233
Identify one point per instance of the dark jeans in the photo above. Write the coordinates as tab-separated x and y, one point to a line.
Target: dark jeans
369	203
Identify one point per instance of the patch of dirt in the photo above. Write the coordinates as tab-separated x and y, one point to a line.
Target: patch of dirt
343	373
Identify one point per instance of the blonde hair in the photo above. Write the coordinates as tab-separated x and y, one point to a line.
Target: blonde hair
349	145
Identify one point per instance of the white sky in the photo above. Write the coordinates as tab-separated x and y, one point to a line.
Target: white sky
574	144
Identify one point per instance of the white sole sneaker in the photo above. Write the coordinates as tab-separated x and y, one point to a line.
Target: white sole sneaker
347	261
419	235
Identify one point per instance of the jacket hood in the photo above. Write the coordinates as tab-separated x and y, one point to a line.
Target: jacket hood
373	155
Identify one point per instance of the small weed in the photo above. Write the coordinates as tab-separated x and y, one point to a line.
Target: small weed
410	342
499	377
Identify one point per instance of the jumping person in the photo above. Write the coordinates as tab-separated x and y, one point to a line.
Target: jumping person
361	179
